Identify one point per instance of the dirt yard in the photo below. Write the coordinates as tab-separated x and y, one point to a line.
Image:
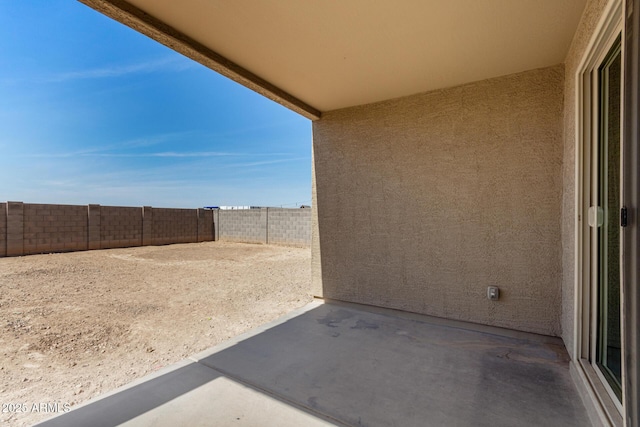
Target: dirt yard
79	324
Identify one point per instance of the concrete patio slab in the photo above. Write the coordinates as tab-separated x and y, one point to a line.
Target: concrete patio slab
346	364
192	395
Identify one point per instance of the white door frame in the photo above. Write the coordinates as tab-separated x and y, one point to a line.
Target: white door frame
608	407
631	196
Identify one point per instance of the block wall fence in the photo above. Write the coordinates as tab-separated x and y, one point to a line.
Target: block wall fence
279	226
27	228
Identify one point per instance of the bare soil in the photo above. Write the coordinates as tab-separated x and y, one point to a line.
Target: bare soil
76	325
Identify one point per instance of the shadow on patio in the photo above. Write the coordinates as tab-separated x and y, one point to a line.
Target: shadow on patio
346	364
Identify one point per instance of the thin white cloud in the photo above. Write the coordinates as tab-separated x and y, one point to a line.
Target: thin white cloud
103	150
91	153
196	154
163	154
146	141
163	64
265	162
170	154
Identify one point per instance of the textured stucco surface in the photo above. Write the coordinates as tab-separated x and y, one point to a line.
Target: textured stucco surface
316	259
590	17
424	201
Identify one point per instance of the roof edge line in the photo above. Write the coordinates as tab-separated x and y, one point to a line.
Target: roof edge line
140	21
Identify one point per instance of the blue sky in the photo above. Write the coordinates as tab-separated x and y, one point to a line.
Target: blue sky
93	112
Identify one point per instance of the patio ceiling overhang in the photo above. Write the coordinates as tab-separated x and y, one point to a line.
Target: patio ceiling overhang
315	56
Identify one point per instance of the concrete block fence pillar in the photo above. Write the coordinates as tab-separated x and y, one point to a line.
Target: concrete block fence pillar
147	226
15	228
216	224
264	223
211	219
93	227
200	225
3	229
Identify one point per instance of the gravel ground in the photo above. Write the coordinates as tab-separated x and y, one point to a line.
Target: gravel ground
79	324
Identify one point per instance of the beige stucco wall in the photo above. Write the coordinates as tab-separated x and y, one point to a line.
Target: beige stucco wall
424	201
591	15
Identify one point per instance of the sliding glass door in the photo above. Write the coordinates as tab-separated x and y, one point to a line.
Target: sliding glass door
606	222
